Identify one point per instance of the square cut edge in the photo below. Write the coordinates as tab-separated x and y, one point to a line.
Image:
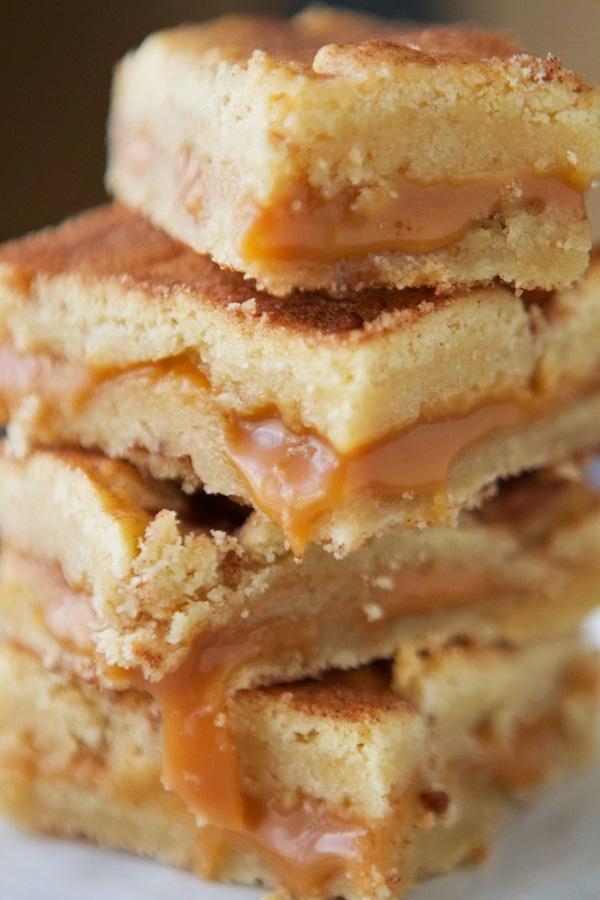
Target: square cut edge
311	111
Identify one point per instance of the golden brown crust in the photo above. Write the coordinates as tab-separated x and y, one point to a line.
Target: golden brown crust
114	244
362	695
111	243
299	40
325	41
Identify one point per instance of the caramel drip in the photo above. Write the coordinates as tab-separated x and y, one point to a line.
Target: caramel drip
410	218
201	761
306	846
295	478
200	757
304	842
292	478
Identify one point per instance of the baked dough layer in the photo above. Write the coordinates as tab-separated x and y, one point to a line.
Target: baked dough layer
240	134
97	555
79	761
119	338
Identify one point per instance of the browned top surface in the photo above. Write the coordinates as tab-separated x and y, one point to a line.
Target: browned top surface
112	244
361	695
299	39
355	39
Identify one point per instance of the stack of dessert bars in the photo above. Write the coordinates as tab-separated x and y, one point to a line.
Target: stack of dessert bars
297	535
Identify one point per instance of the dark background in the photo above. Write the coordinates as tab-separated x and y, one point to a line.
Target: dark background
56	60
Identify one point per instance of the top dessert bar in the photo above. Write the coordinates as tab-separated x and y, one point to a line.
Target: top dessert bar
337	419
336	151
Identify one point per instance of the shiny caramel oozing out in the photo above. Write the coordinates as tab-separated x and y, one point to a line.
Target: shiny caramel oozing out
306	844
408	217
295	478
201	762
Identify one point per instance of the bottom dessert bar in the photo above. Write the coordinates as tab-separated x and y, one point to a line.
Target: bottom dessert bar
356	785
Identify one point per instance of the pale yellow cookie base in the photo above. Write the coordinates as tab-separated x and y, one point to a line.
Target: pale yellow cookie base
155	578
344	104
78	761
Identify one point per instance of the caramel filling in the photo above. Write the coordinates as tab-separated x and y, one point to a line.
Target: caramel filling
200	762
201	765
305	843
410	218
306	846
67	614
295	478
405	215
58	381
